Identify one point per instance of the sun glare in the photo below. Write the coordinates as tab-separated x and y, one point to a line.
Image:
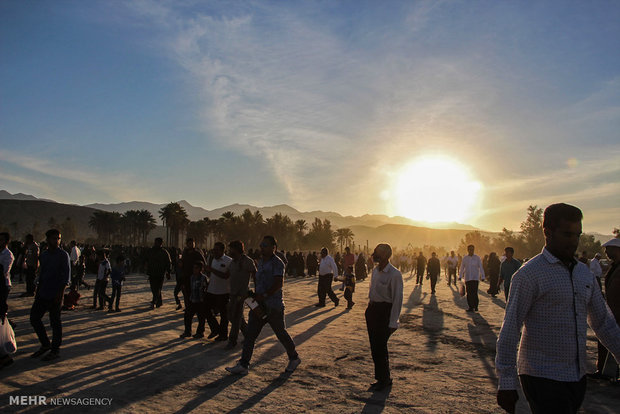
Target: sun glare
435	189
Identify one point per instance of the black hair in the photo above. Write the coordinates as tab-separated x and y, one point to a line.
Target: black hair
236	245
52	232
555	213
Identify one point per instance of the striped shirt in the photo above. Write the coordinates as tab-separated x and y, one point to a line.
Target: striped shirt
553	303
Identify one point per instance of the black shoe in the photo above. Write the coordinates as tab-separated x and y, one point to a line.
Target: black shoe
336	303
51	356
152	306
469	310
381	385
40	352
117	310
320	305
212	335
475	309
5	361
221	338
179	306
198	336
185	335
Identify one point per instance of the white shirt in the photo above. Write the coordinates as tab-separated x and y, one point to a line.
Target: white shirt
104	270
547	316
471	268
75	254
595	268
387	286
6	260
453	262
327	266
217	284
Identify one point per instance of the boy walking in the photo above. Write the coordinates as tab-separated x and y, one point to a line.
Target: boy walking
195	304
117	276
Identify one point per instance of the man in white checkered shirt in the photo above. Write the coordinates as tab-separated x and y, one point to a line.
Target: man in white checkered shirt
552	297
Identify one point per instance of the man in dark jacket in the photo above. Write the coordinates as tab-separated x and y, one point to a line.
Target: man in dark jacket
158	266
190	256
433	269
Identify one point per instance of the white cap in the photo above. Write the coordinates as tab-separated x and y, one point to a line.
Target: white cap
615	242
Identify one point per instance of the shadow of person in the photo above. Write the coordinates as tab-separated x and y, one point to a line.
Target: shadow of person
458	300
256	398
432	322
376	402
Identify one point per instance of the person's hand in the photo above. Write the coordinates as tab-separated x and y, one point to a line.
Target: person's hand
507	399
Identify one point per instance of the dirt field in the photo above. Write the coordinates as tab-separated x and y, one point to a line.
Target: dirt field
442	359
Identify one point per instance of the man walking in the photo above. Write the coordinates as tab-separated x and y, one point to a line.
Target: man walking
433	270
31	264
54	277
327	270
554	298
190	256
269	280
508	268
219	290
453	263
420	266
471	270
158	266
384	306
242	268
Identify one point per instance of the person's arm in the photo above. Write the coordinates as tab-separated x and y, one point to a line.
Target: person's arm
396	291
65	276
334	266
522	295
603	322
462	269
481	268
224	275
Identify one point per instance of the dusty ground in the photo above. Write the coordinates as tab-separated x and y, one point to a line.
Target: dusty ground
442	359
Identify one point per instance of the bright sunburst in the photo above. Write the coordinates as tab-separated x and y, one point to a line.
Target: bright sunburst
435	189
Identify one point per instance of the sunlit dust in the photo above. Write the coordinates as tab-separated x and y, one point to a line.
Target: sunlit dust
435	189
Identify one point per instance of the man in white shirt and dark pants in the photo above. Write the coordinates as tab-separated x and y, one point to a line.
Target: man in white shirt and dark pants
552	300
472	271
327	270
218	292
385	302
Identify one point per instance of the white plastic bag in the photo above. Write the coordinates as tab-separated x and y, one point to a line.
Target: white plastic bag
8	345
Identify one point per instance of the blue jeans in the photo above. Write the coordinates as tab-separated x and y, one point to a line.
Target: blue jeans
39	308
275	319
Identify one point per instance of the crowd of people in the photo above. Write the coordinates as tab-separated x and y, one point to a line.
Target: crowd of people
551	295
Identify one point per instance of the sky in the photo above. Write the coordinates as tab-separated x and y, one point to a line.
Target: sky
322	105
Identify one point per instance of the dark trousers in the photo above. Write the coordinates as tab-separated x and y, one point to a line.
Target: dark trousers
191	309
433	281
471	288
30	276
39	307
156	282
178	288
549	396
235	314
325	288
4	296
99	292
452	276
506	291
275	319
377	322
419	275
348	295
218	303
116	294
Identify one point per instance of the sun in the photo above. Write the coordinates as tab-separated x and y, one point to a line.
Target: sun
435	189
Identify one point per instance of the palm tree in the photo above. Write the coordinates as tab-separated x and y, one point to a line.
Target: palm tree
175	219
344	236
106	224
146	223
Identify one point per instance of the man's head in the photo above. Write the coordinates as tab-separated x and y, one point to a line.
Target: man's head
29	238
189	243
509	252
73	243
347	249
382	253
268	246
5	237
235	248
324	252
452	253
218	250
562	229
433	254
52	236
158	242
470	249
612	249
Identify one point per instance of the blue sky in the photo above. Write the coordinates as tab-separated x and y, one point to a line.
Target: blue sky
314	104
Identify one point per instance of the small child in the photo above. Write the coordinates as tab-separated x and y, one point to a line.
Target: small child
117	276
349	286
196	302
